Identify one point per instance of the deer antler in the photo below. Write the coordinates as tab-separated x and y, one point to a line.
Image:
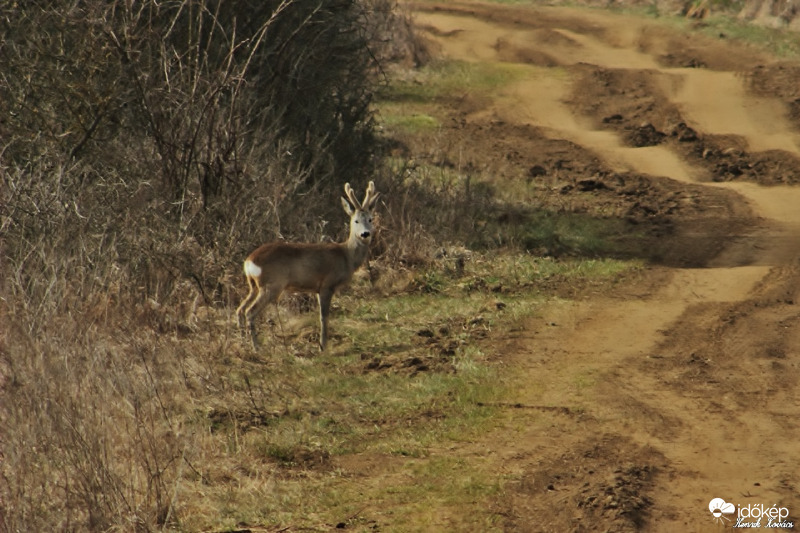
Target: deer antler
370	197
351	195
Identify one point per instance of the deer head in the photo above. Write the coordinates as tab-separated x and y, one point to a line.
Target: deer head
360	213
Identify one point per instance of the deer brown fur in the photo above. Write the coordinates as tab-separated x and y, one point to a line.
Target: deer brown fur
319	268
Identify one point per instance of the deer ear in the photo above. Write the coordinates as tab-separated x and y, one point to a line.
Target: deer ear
347	208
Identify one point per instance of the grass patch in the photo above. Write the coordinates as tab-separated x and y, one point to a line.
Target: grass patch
405	105
724	22
448	78
472	210
568	233
780	41
438	491
410	124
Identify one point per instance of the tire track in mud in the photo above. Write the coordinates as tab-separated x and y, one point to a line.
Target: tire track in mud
718	104
657	369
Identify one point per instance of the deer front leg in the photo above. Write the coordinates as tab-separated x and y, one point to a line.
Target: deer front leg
324	299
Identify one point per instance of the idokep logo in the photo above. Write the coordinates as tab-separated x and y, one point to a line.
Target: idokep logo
719	508
754	515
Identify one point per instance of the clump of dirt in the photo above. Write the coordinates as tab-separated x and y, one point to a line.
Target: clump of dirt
778	80
727	159
623	100
605	481
433	348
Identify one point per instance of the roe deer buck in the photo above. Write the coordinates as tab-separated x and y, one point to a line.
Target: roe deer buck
318	268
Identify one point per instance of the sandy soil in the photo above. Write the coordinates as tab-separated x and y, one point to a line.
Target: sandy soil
637	407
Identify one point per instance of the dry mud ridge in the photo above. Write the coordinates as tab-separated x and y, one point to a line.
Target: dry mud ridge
647	402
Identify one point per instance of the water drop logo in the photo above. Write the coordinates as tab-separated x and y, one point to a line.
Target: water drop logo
719	508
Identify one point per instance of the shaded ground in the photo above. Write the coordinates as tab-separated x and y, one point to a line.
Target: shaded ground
637	407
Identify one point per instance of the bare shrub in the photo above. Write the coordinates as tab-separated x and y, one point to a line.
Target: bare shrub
147	147
430	208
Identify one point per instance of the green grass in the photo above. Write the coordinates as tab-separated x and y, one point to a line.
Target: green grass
443	487
780	41
723	22
568	233
414	123
406	105
450	78
485	217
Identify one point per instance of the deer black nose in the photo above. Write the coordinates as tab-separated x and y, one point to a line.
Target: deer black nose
365	235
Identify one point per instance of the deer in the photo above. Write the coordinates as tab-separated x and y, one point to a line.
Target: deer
315	268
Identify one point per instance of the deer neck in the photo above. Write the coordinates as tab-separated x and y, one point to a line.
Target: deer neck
357	250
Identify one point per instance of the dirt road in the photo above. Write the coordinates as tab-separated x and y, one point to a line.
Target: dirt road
646	404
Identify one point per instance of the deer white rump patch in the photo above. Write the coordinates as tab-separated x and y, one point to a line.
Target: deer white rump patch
251	269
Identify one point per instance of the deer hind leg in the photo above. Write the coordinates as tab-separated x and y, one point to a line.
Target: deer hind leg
240	311
324	299
265	296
